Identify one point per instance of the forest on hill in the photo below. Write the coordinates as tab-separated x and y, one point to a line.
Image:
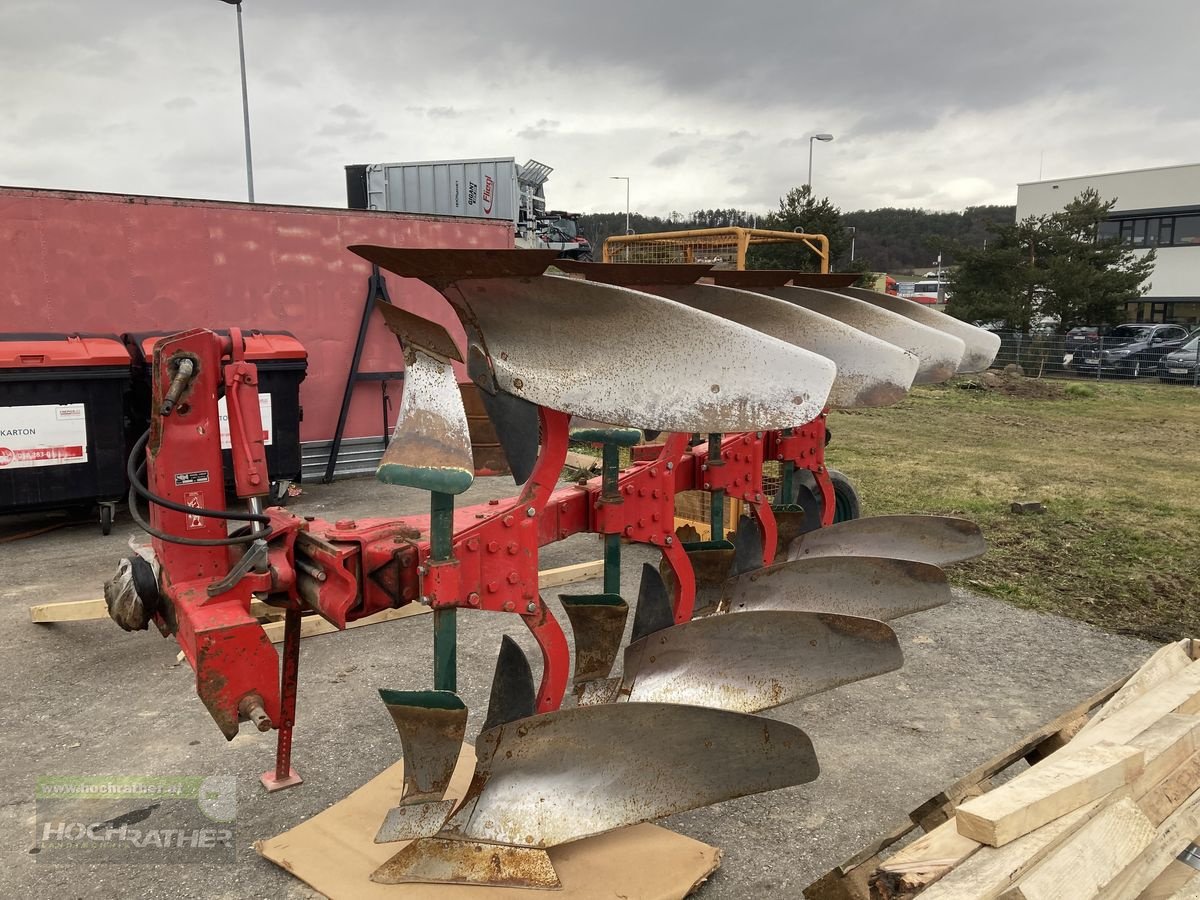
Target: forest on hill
885	240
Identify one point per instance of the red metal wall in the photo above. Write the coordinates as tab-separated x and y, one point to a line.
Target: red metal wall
115	263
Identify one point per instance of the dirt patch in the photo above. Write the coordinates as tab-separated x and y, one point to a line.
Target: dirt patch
1014	386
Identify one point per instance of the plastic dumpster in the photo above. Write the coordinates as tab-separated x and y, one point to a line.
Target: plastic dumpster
282	364
62	422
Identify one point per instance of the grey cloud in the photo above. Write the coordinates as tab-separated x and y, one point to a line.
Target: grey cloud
671	157
179	103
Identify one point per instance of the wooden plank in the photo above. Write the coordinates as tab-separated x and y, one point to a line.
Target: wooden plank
1047	791
848	880
1172	883
584	571
1167	743
1180	693
992	870
1172	837
1190	891
311	626
921	863
89	610
1168	660
73	611
1165	797
1090	858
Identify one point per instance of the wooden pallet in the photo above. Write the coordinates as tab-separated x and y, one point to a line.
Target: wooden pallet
1102	811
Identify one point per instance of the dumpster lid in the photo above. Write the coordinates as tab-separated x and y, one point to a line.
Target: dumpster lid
44	350
260	345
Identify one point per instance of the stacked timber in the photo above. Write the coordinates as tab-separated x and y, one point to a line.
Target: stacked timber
1111	812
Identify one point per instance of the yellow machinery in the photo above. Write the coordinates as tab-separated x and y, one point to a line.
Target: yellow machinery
720	247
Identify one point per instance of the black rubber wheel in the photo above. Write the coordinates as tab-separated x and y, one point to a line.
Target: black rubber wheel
846	505
106	518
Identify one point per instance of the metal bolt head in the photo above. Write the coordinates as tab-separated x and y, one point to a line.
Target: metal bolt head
507	520
707	486
473	598
531	607
669	540
344	524
513	578
670	466
424	601
422	570
508	606
493	546
512	549
531	512
759	435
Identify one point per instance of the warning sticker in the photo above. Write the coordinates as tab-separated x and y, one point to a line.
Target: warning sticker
264	406
183	478
50	435
193	499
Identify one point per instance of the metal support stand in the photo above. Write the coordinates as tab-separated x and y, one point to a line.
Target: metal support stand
376	290
283	775
717	518
609	474
445	625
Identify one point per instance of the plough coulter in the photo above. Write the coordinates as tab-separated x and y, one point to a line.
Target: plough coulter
735	376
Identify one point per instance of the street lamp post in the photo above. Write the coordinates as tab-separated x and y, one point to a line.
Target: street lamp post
245	101
853	234
624	178
821	137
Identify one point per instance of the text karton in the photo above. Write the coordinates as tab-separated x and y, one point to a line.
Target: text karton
49	435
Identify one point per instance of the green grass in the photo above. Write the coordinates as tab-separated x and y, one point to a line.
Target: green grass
1116	465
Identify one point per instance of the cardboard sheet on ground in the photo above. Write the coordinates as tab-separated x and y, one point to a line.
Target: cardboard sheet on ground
335	853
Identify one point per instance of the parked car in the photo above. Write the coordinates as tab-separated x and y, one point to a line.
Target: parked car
1130	350
1181	364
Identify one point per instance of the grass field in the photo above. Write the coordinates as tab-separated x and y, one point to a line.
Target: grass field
1117	466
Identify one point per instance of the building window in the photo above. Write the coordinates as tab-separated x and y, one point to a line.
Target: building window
1165	231
1187	231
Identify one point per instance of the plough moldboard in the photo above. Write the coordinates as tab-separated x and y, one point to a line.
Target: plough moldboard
733	375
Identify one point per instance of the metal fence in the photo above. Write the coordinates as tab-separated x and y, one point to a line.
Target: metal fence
1052	355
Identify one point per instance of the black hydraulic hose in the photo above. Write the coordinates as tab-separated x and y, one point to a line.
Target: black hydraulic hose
135	471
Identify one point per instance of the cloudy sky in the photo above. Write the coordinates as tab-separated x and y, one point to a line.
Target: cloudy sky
934	103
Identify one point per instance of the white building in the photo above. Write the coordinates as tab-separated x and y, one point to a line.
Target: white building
1157	208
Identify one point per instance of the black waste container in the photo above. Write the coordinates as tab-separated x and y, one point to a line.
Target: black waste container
62	422
282	364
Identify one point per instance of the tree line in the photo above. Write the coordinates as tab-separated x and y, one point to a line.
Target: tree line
886	240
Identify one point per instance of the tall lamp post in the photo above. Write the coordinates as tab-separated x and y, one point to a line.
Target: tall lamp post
624	178
245	101
821	137
853	234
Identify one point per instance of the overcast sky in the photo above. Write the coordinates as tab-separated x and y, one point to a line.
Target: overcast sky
934	103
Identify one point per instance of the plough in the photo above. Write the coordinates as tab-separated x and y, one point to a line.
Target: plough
734	375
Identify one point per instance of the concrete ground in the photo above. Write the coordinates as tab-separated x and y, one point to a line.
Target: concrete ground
87	698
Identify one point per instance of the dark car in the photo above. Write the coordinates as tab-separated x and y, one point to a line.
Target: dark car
1181	364
1130	350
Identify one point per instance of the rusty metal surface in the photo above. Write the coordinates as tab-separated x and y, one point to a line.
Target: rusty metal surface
755	661
864	586
711	566
635	273
937	540
448	861
431	444
751	278
431	737
415	331
442	267
565	775
982	345
940	353
663	366
414	820
870	372
828	282
598	623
